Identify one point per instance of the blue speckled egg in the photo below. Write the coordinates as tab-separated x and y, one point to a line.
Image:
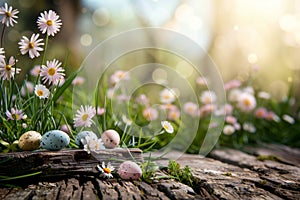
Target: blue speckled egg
55	140
83	134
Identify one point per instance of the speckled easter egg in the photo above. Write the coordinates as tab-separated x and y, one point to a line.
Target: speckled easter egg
30	141
110	139
83	134
55	140
129	170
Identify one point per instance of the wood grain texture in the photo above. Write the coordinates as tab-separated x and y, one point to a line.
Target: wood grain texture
64	162
225	174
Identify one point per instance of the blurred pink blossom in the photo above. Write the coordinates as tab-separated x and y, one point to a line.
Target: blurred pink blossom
261	113
100	111
174	114
150	114
202	81
207	109
230	119
232	84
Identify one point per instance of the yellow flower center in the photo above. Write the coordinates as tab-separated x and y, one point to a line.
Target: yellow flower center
106	170
51	71
247	102
49	22
260	113
16	116
148	115
166	127
122	75
190	109
40	93
208	99
31	45
8	14
84	117
167	97
8	67
173	115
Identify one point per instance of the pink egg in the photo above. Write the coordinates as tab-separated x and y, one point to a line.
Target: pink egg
110	139
129	170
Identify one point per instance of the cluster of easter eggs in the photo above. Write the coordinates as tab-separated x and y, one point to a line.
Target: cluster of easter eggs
52	140
110	138
55	140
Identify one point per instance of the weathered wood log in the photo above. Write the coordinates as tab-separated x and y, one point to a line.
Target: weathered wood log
64	162
227	174
280	179
282	153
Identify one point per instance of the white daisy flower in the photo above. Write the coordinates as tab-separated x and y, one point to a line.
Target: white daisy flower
208	97
91	143
249	127
167	126
41	91
2	54
84	116
78	80
31	46
8	15
8	71
118	76
246	102
190	108
264	95
49	22
234	95
228	129
288	119
106	170
15	114
167	96
52	72
249	90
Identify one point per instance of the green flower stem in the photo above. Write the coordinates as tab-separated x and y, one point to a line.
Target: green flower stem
6	178
45	49
2	35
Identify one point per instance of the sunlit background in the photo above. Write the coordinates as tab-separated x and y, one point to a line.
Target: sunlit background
243	37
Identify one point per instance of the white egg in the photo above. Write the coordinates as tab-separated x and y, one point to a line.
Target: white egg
55	140
110	139
129	170
30	141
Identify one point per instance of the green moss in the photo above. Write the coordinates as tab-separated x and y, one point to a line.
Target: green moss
268	157
184	175
263	182
227	174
